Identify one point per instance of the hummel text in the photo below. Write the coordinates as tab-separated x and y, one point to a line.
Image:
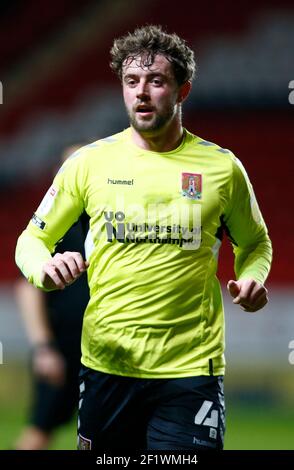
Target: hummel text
129	182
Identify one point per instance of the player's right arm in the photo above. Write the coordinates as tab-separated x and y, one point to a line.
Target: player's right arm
59	210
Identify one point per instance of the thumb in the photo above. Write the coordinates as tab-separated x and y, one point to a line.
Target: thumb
233	288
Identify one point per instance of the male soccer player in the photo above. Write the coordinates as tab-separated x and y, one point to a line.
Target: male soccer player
158	198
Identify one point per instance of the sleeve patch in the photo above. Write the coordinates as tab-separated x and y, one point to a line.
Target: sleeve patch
38	222
47	201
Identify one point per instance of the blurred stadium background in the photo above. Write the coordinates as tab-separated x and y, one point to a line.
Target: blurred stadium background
58	89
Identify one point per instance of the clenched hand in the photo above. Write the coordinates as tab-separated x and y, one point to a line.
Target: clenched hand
249	294
63	269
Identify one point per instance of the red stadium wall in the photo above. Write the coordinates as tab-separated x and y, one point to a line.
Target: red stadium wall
88	66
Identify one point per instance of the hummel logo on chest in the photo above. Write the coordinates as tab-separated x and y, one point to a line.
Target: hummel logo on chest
128	182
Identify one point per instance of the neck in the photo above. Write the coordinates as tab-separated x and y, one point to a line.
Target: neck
164	140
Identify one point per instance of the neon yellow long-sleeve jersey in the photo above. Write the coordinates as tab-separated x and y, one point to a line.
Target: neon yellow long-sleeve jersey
155	230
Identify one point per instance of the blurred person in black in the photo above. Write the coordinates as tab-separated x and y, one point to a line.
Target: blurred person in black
53	322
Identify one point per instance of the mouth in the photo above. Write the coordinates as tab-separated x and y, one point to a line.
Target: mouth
144	110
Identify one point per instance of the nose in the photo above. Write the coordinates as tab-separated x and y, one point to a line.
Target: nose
143	90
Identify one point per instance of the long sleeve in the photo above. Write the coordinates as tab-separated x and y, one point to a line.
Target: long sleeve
58	211
246	228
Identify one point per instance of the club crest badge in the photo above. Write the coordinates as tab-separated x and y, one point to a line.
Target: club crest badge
192	185
83	443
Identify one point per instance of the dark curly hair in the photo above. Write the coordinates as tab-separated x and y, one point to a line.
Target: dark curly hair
148	41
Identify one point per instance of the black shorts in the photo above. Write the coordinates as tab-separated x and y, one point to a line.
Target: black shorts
124	413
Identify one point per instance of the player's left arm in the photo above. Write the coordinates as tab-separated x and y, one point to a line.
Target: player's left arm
251	243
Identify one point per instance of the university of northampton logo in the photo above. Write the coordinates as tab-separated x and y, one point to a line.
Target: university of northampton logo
192	185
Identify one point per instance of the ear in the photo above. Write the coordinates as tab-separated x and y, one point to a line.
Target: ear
184	91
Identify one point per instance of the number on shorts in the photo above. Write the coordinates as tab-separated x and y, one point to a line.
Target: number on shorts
202	418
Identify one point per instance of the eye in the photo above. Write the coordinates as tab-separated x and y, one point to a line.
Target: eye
157	81
131	82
